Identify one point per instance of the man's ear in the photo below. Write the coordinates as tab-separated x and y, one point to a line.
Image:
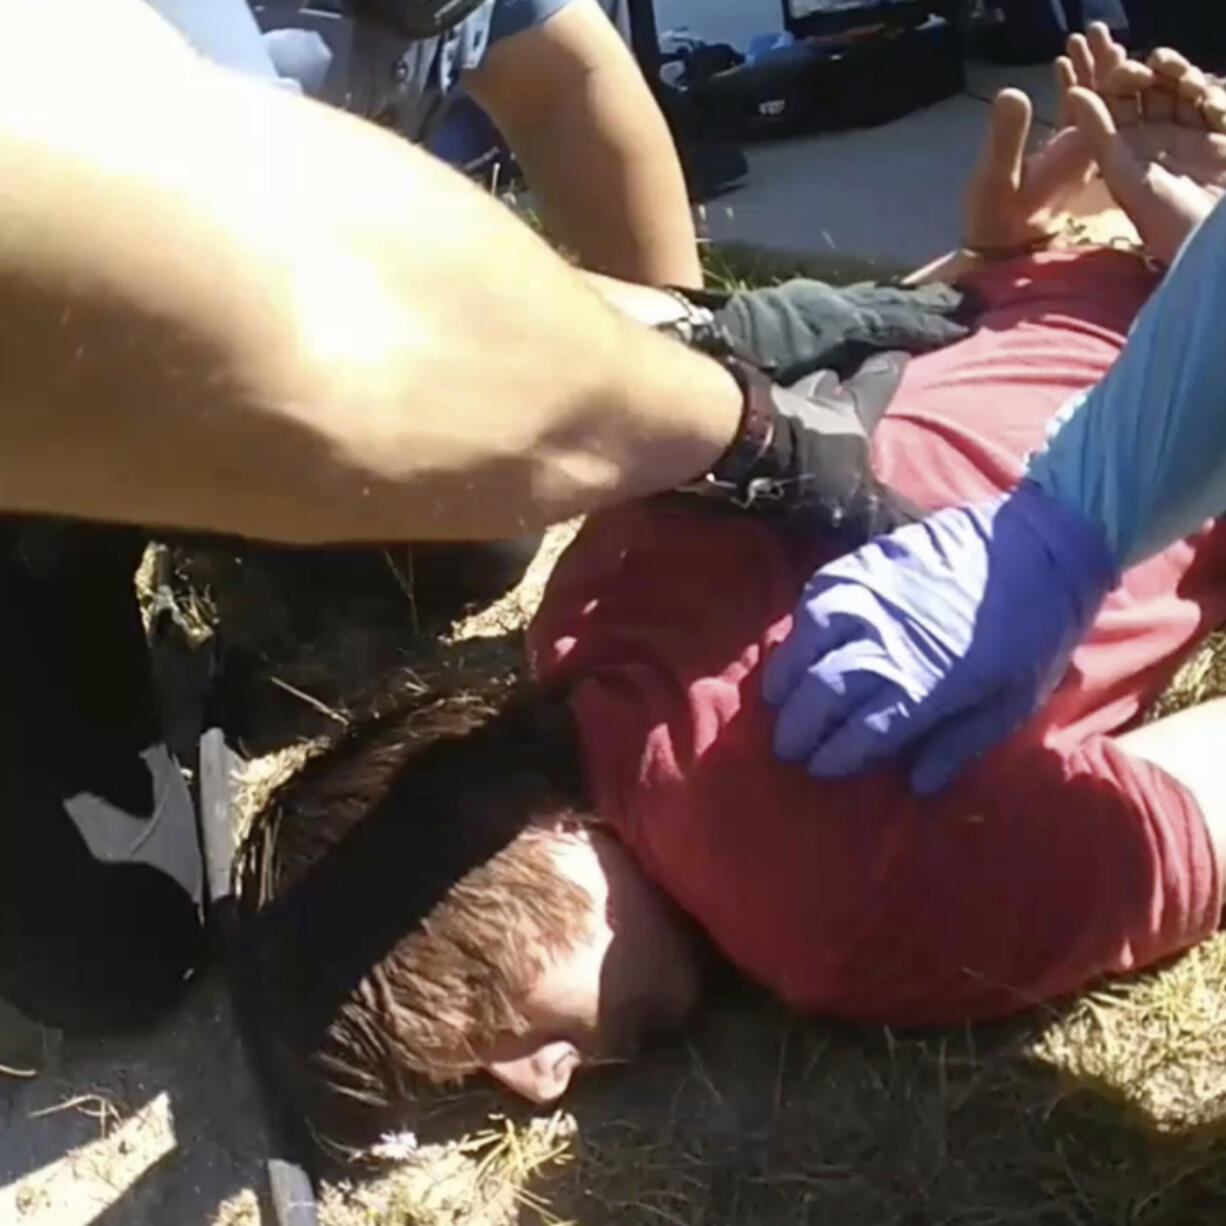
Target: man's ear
539	1071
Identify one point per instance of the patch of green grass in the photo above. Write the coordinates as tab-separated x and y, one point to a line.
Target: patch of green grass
740	266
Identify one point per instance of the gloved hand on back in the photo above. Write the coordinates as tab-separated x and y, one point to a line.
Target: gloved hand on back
947	633
944	636
803	447
802	453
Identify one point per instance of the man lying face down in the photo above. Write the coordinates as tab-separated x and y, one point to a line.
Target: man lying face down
522	891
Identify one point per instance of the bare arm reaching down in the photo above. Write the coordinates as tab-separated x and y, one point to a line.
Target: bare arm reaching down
573	104
228	309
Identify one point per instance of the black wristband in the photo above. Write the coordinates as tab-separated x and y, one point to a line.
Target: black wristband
736	476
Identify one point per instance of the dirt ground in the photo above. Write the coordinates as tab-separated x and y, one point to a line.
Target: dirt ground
1111	1111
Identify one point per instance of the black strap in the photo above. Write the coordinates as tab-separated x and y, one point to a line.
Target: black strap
417	18
290	1186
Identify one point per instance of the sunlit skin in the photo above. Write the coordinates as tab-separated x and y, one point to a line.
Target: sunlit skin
634	969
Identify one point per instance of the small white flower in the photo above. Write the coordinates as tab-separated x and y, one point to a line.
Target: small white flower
396	1146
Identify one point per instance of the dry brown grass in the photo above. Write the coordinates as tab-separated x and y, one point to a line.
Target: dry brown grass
1111	1109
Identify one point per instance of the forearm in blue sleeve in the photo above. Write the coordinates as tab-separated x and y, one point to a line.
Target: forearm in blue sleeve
1143	454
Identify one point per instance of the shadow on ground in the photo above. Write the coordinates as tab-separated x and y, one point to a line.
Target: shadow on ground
1096	1114
764	1118
157	1128
755	1117
1112	1111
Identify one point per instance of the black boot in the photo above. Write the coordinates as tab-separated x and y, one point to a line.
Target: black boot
100	880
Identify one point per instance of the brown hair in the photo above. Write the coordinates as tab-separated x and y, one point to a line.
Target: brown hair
409	944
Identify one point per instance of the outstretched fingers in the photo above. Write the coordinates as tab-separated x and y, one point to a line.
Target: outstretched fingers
1082	60
1066	82
1004	153
1108	54
1156	202
1124	173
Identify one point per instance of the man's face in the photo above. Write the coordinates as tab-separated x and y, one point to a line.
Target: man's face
634	971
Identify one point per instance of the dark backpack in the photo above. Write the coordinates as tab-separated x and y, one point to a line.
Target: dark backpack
1034	31
1195	27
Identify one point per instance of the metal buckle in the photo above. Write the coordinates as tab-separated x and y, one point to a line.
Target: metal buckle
755	491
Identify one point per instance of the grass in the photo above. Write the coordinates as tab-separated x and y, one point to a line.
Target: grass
1109	1110
738	266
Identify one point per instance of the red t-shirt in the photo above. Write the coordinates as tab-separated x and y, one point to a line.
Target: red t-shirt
1056	859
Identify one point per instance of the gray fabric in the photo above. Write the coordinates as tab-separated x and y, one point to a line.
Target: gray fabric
164	840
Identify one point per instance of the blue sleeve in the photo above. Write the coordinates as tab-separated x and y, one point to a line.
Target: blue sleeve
512	16
1143	454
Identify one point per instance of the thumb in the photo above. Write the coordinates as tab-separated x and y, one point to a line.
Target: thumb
964	737
1008	130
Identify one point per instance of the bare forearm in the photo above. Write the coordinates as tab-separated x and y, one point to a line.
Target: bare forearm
240	312
595	148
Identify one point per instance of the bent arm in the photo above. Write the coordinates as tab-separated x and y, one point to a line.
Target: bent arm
228	309
575	108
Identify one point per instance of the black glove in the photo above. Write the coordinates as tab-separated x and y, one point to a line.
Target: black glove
803	326
803	453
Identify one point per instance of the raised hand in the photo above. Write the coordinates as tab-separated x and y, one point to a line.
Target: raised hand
1157	131
1014	202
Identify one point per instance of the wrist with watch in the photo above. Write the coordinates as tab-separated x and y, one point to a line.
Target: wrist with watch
739	477
794	451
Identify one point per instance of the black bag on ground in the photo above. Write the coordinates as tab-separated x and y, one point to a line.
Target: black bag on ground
1195	27
711	166
831	83
1035	31
899	72
1028	31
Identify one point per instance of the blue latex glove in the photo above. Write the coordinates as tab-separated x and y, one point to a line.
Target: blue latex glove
947	632
945	636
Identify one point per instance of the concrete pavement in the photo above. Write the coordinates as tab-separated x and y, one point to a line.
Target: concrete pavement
883	199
